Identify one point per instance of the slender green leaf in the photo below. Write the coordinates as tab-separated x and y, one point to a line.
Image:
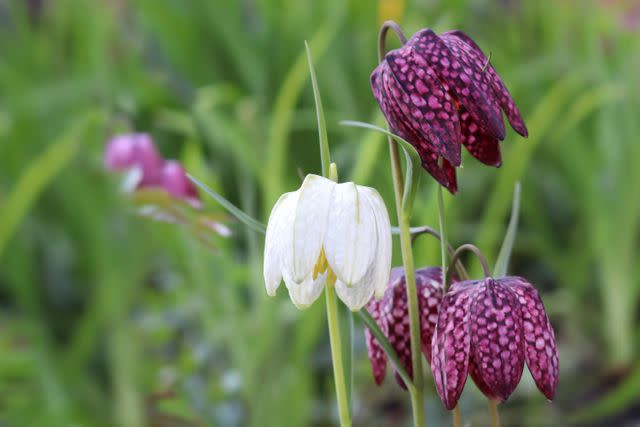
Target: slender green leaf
502	262
243	217
39	174
323	139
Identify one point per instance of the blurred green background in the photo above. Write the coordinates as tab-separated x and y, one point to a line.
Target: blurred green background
109	318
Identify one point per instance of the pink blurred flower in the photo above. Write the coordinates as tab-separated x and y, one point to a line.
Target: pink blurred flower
137	154
176	183
135	151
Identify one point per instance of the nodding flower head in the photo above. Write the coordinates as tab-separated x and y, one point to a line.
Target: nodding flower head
440	92
392	315
488	328
328	234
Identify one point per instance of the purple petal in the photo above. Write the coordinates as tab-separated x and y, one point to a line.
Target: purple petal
380	80
427	107
451	345
482	146
499	89
465	81
496	338
176	183
395	311
541	351
429	284
377	356
476	376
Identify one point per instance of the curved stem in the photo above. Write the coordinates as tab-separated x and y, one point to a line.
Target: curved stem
443	240
471	248
425	229
495	416
382	37
407	255
336	356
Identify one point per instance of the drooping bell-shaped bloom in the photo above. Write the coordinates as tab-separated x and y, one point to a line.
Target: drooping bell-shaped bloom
135	151
391	313
328	234
440	92
176	183
488	328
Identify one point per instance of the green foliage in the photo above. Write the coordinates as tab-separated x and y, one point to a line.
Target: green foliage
110	318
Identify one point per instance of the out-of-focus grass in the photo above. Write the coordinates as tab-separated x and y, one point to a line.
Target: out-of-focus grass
107	318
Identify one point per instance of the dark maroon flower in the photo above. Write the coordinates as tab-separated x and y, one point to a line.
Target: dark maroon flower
489	328
392	315
440	92
135	151
176	183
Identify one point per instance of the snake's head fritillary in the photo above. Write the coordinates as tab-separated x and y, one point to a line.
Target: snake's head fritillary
489	328
440	92
392	315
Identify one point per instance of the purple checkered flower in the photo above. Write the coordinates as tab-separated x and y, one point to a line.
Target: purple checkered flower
488	328
440	92
392	315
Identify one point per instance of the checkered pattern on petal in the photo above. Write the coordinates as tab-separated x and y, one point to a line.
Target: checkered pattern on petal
452	345
496	338
541	351
465	80
499	89
377	356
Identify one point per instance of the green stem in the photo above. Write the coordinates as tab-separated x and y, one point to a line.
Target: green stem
407	256
495	416
457	418
443	238
336	356
456	256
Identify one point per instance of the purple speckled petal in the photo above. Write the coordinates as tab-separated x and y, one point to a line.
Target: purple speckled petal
465	81
540	347
380	80
445	174
496	338
395	311
482	146
451	344
499	89
377	356
429	285
476	376
426	106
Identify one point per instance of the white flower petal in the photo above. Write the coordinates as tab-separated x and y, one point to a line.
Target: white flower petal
310	224
349	242
358	294
305	293
382	258
278	240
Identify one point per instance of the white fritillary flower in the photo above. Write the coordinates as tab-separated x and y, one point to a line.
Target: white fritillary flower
328	234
